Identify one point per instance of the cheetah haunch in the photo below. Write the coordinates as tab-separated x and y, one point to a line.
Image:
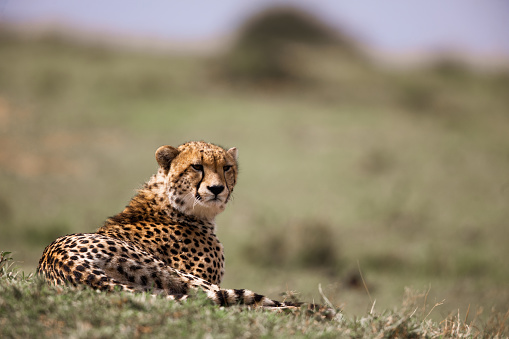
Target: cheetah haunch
164	241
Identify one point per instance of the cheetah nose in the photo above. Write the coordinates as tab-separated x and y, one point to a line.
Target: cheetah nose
216	189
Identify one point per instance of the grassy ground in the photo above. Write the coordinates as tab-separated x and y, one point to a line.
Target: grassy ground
29	308
404	175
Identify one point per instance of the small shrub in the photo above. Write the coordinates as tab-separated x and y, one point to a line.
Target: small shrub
309	244
317	246
5	263
9	271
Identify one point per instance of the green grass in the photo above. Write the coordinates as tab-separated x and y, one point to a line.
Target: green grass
29	308
403	174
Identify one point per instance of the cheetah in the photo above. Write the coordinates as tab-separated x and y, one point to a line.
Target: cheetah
164	240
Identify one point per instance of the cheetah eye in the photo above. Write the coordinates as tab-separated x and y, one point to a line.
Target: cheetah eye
197	167
227	168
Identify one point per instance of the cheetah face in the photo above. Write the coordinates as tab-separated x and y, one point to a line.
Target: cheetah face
199	177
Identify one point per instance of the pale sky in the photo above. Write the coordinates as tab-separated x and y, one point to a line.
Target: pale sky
471	26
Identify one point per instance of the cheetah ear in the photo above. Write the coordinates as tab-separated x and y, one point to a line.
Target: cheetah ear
164	156
233	152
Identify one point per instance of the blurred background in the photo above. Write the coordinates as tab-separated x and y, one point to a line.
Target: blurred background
370	136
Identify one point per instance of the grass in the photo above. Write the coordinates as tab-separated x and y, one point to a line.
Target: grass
404	174
29	308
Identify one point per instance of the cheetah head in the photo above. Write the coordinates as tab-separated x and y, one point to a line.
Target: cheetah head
199	177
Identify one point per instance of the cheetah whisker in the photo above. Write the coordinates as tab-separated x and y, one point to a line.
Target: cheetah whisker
196	201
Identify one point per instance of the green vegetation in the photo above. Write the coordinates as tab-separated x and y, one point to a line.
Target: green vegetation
29	308
404	175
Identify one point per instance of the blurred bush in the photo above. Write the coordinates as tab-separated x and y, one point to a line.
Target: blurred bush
302	244
266	47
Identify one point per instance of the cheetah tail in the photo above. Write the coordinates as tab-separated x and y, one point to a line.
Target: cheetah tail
228	297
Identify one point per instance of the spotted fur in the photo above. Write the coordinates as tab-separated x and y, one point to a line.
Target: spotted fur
164	240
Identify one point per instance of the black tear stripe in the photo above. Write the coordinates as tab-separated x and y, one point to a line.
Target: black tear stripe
227	187
202	177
